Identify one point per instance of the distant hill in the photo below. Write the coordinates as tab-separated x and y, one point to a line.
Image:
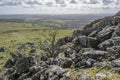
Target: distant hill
58	21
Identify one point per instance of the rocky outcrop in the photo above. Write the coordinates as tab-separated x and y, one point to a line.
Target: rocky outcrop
117	14
2	49
97	43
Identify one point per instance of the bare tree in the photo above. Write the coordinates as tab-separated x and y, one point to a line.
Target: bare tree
48	44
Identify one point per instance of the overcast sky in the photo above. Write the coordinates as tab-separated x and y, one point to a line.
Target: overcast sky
59	6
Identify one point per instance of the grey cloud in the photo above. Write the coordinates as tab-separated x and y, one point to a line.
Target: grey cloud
34	2
1	4
63	5
10	3
106	2
73	2
91	2
49	4
117	2
59	1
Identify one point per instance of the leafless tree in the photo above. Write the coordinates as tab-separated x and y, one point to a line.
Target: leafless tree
48	44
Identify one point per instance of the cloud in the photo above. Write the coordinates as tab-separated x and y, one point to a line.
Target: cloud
91	1
10	3
33	2
62	3
49	4
106	2
73	2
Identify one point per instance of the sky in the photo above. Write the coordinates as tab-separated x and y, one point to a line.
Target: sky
59	6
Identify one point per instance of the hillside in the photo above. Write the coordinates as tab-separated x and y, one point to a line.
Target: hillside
92	53
52	21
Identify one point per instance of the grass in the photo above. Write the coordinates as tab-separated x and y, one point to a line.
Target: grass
77	74
12	34
7	26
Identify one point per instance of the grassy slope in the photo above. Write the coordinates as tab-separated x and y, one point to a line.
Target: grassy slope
12	34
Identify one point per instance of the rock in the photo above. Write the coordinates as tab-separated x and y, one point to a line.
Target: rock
85	41
43	64
73	55
40	75
9	71
117	14
97	25
21	67
85	50
20	54
115	41
105	33
114	52
50	61
89	62
85	63
109	43
104	45
77	61
64	40
42	56
57	69
2	49
95	53
65	63
85	76
69	53
55	73
99	64
62	49
77	33
116	32
24	64
9	63
28	79
100	76
14	57
93	34
54	78
1	79
32	71
27	45
32	50
116	69
116	63
115	20
105	65
114	49
66	75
